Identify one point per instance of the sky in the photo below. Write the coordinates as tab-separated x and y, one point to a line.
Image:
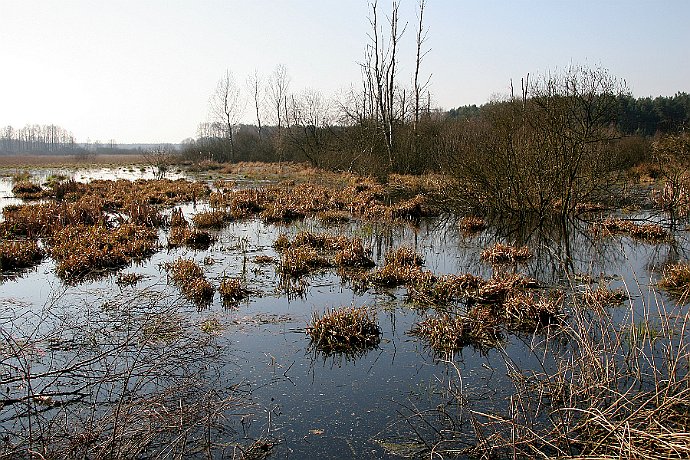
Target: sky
144	70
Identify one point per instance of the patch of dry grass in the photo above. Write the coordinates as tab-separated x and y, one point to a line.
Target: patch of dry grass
649	232
189	277
85	250
503	253
344	330
17	254
232	290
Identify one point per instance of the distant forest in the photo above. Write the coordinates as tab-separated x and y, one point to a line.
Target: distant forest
636	116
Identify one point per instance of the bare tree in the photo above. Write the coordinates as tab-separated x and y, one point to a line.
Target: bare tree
277	93
254	84
380	74
226	107
420	88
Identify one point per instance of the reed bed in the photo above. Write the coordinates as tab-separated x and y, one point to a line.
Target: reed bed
189	277
17	254
344	330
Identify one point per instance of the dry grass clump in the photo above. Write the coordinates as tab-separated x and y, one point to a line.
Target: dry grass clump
182	235
603	296
676	280
472	224
527	312
404	256
333	217
504	253
651	232
353	255
300	260
435	291
447	334
189	277
83	250
210	219
344	330
27	190
44	219
232	291
498	288
19	254
401	266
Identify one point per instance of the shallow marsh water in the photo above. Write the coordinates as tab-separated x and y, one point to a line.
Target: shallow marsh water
386	401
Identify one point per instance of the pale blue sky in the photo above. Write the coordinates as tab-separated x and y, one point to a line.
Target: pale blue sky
143	70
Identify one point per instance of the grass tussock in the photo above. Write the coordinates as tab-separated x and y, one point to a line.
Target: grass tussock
603	297
447	334
676	280
27	190
300	260
85	250
189	277
503	253
649	232
210	219
18	254
472	224
344	330
232	290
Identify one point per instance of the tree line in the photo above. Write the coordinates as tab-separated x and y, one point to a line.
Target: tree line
37	139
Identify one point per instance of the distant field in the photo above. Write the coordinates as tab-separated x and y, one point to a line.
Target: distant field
71	160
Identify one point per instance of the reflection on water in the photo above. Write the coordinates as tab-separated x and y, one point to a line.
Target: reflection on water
371	405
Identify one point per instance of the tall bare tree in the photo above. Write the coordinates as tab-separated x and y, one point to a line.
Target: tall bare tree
254	84
277	93
420	88
226	108
381	60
